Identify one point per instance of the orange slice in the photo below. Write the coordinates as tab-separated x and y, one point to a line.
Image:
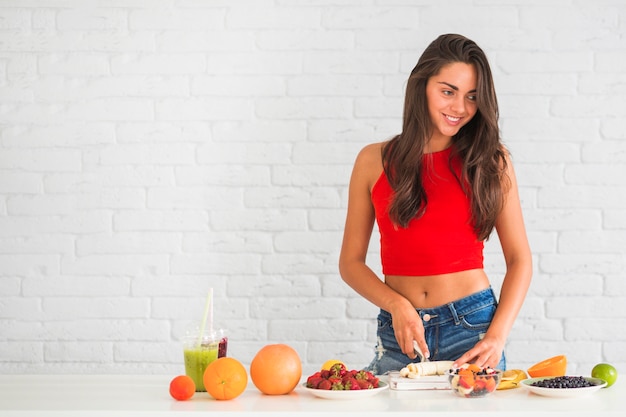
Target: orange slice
554	366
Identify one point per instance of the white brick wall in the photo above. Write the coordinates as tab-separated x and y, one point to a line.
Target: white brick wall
152	149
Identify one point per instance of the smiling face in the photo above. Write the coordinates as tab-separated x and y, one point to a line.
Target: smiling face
451	98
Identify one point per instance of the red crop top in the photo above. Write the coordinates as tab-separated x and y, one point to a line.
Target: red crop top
443	239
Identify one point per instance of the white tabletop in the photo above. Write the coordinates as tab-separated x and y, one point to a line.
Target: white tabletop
135	395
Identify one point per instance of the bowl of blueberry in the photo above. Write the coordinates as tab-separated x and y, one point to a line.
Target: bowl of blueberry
472	381
563	386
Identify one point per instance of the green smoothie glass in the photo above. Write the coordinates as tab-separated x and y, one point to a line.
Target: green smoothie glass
198	355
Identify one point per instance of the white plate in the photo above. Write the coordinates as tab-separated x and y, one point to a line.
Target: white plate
431	382
563	392
346	395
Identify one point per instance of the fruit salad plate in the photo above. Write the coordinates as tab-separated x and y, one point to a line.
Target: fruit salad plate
596	384
347	394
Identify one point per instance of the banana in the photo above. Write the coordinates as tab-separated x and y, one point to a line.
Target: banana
416	370
511	378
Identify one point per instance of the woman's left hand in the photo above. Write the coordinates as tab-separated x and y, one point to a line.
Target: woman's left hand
486	353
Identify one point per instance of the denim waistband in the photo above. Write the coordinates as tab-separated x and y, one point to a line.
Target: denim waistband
454	309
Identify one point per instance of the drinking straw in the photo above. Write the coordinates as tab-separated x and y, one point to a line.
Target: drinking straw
208	314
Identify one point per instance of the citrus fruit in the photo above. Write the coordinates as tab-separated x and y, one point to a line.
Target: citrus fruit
225	378
606	372
554	366
182	388
276	369
329	363
511	378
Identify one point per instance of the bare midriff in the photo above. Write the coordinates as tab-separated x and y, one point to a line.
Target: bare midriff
436	290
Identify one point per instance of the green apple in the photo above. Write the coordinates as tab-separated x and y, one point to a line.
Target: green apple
606	372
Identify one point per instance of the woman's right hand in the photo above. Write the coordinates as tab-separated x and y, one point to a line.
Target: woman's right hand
408	328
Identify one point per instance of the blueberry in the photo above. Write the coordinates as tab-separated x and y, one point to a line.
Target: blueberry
560	382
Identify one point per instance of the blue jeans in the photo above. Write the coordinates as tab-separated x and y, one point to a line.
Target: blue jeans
450	330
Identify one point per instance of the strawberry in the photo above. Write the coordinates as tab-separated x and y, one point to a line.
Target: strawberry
316	375
313	381
337	386
351	384
340	378
338	369
365	375
364	383
335	380
324	384
347	379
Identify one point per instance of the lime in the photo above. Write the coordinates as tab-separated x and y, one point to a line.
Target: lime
606	372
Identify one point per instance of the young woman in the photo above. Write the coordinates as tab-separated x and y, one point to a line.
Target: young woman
436	191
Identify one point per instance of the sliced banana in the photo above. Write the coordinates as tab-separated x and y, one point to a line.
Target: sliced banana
416	370
511	378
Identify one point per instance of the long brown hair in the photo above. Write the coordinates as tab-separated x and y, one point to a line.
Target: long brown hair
477	143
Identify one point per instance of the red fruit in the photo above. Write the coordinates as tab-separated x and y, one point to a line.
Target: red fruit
324	384
337	385
338	369
335	380
490	384
349	382
182	388
313	381
465	382
479	384
347	379
340	378
364	384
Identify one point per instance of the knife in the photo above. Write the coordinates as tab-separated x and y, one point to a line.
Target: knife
419	353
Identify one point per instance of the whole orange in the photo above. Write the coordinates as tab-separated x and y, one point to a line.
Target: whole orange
225	378
276	369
